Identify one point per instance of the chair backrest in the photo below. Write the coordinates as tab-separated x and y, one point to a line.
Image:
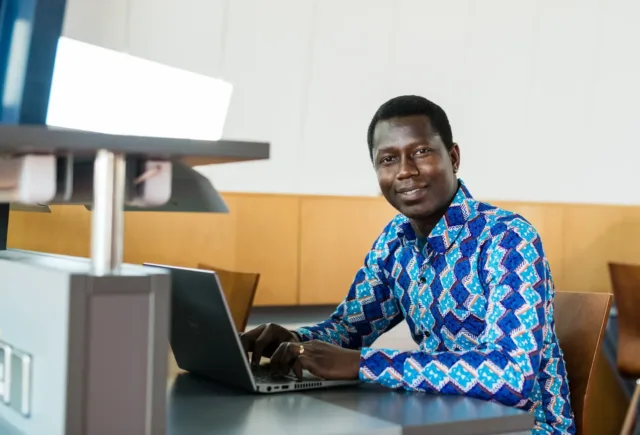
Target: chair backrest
239	290
580	320
625	280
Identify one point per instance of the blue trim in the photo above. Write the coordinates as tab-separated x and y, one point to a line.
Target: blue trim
29	33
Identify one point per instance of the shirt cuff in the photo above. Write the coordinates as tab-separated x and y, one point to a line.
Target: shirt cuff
382	366
303	334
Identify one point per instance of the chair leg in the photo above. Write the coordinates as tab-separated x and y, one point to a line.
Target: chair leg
632	412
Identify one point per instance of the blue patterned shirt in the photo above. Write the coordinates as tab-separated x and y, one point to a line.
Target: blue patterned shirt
478	300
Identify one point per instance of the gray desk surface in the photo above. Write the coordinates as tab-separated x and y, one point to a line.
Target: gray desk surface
197	406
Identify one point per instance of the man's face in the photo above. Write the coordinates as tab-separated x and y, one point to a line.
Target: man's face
415	170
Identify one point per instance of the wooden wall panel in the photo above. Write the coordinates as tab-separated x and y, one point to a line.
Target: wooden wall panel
243	240
349	226
336	235
267	242
307	248
65	230
594	236
182	239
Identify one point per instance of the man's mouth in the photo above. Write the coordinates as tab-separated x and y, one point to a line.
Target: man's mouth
410	193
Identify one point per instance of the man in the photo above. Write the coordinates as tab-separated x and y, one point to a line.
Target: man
470	279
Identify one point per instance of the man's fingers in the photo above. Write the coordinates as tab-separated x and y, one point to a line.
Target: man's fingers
297	368
248	338
294	352
246	342
258	348
284	358
277	359
309	363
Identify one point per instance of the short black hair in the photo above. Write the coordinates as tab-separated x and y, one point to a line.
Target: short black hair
410	105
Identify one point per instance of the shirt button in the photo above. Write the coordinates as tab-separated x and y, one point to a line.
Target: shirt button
423	279
427	334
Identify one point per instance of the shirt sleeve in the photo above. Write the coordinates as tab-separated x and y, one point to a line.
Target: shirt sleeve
369	309
504	363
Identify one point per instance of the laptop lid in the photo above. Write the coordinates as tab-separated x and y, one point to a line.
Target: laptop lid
203	337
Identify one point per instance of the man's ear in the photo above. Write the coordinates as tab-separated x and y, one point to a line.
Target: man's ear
454	155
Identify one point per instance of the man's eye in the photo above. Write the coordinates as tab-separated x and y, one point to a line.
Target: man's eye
423	151
386	160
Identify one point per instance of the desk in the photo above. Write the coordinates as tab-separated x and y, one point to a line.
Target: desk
197	406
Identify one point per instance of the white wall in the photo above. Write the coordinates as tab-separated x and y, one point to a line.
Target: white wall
542	94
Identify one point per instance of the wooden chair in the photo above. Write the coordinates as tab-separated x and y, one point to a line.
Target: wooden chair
580	320
625	280
239	290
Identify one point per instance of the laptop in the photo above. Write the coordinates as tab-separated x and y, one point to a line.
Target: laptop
205	342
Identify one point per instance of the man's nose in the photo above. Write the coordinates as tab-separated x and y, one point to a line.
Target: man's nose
407	168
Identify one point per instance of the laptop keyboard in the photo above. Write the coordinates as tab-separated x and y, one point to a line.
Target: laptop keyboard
262	373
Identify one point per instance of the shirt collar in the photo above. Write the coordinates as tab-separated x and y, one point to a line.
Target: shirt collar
449	226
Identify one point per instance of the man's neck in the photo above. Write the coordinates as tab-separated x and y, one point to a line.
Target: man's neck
423	227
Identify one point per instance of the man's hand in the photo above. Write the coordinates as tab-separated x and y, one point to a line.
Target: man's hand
264	340
324	360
